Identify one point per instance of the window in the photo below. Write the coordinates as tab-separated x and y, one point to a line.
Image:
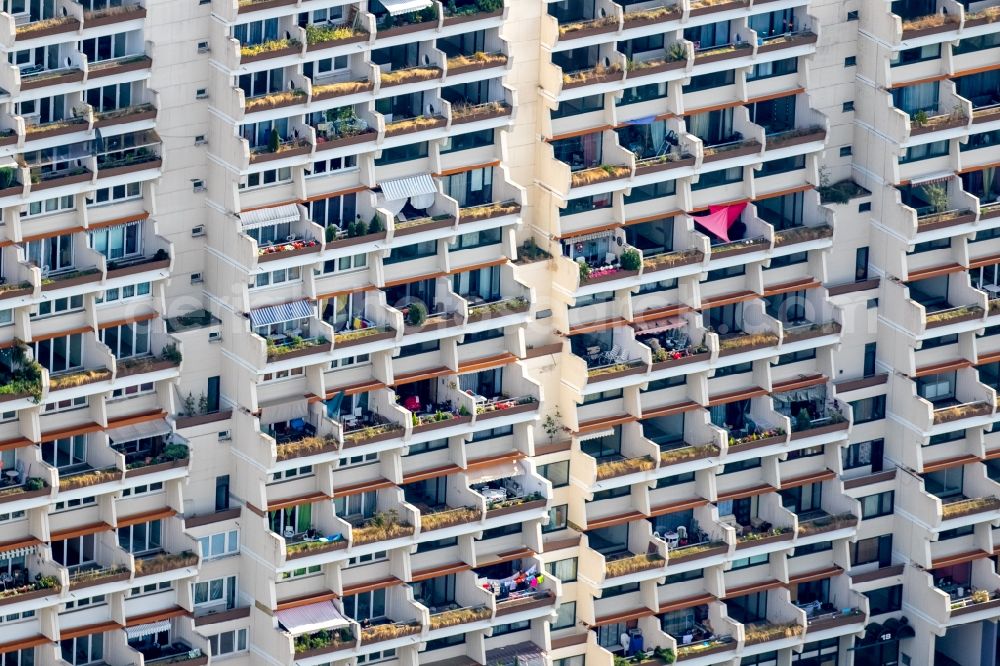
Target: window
109	195
845	151
48	206
863	454
865	207
565	615
107	47
869	363
885	600
143	489
874	506
129	391
868	409
219	544
51	254
876	549
259	179
847	106
59	305
557	518
152	588
464	142
228	642
215	592
66	405
278	277
925	151
65	452
141	537
83	649
365	605
850	61
746	562
557	473
766	70
129	291
564	570
501	629
127	340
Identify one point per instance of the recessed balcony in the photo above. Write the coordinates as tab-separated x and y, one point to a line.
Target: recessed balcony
110	13
148	565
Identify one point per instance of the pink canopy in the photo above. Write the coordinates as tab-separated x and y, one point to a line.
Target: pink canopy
720	219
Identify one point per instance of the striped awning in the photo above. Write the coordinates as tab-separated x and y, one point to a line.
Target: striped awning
263	217
404	188
397	7
136	431
17	552
141	630
938	177
277	314
587	237
313	617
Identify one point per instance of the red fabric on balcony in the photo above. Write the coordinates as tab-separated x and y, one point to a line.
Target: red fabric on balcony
720	219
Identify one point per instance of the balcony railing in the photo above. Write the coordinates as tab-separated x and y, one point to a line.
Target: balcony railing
964	411
968	506
978	600
383	526
953	315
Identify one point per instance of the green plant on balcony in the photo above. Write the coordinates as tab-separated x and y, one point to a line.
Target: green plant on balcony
318	33
171	353
584	271
383	526
164	562
756	436
269	46
40	583
630	260
552	425
25	377
677	51
324	638
170	453
765	534
8	177
416	314
937	196
34	483
376	225
631	565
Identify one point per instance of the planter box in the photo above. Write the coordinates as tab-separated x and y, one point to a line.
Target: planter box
592	80
72	25
786	536
399	131
73	281
447	322
722	55
638	23
637	370
607	278
357	240
796	40
981	20
933	30
974	608
298	353
62	181
748	348
681	557
399	632
369	135
482	114
284	254
516	409
917	130
215	617
756	444
44	132
468	18
8	140
329	44
748	149
257	158
438	425
985	115
36	594
299	454
333	647
325	548
715	649
138	268
984	214
33	83
821	430
14	293
148	114
152	469
665	66
263	4
120	68
201	419
265	104
795	140
132	14
506	510
488	314
711	9
129	168
116	578
328	94
428	226
588	32
474	67
277	53
155	366
694	358
405	29
949	222
831	622
795	336
381	437
641	169
517	605
27	494
374	337
975	314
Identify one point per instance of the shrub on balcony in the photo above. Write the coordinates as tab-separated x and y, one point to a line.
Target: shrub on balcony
267	47
677	50
318	33
630	260
765	339
171	353
324	638
73	379
756	436
26	379
306	446
683	454
40	583
416	314
170	453
376	225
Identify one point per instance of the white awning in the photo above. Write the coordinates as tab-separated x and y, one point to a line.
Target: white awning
263	217
397	7
660	325
277	314
136	431
307	619
140	630
17	552
587	237
595	435
284	410
934	177
404	188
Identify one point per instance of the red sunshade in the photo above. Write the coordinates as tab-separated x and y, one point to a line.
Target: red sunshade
720	219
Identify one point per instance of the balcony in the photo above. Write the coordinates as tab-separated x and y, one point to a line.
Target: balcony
387	630
149	565
129	153
113	13
323	642
383	526
921	26
703	643
960	507
628	564
820	522
24	587
441	516
764	632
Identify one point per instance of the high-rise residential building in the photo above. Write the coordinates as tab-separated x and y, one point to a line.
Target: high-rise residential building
499	332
